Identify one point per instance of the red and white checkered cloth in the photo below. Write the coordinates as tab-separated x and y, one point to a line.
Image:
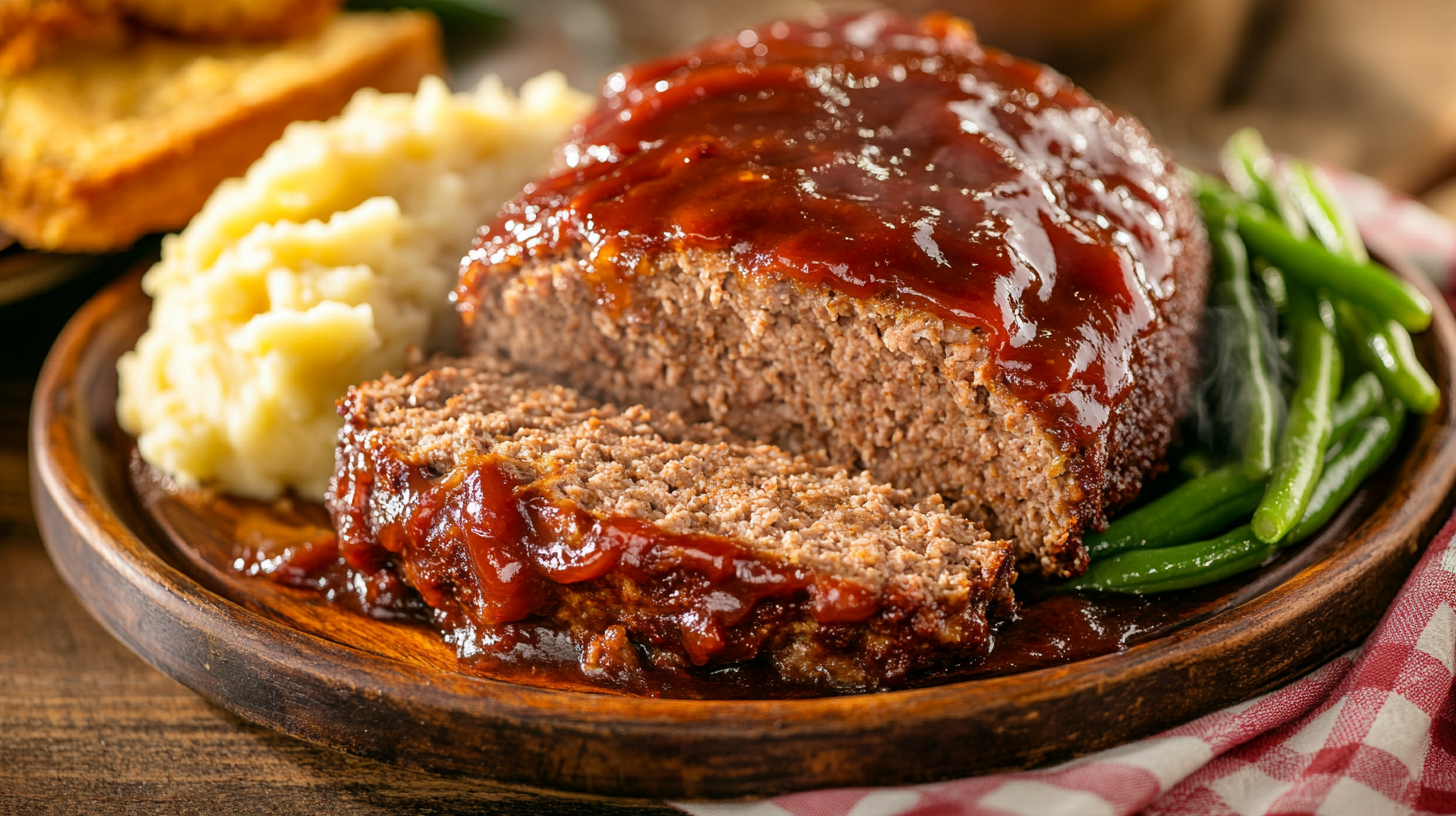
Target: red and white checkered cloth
1372	732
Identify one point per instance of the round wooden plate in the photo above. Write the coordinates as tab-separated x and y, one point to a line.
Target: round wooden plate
393	693
24	273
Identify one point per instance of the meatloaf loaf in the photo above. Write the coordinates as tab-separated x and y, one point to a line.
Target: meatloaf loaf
875	238
506	501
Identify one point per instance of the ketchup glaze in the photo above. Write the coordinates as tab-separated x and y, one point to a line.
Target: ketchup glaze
882	158
512	571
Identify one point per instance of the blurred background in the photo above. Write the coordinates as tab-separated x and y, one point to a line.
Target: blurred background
1368	86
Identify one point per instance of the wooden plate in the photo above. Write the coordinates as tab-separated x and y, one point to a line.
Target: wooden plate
24	273
391	693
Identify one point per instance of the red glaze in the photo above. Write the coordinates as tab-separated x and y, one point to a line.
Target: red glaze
488	551
289	548
882	158
293	546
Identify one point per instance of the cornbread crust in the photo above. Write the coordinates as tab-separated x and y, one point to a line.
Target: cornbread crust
54	201
32	29
232	19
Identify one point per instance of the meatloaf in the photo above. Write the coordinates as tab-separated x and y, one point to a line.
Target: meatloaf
505	501
875	238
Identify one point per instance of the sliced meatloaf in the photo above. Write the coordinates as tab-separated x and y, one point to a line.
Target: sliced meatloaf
504	501
874	238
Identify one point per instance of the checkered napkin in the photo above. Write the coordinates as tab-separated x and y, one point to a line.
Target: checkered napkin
1372	732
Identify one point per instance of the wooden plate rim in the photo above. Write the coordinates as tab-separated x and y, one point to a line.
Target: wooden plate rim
80	524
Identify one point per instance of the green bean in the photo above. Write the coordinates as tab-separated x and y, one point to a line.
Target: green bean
1321	225
1259	396
1245	161
1195	464
1361	398
1328	219
1368	446
1255	176
1310	264
1329	446
1274	285
1197	508
1215	200
1385	346
1307	430
1164	569
1169	568
477	15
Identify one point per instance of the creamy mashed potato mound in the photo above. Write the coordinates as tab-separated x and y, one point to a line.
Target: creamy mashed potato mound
317	270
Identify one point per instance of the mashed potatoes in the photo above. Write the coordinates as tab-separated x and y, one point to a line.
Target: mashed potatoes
317	270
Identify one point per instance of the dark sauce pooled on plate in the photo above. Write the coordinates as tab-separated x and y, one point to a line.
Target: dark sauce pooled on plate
1049	631
881	158
289	544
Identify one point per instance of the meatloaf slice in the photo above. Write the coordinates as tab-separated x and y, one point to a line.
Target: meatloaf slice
504	500
872	237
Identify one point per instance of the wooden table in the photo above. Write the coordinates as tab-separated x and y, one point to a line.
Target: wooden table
87	727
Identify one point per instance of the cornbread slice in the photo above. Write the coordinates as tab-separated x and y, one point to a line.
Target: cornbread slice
504	500
231	19
32	29
98	148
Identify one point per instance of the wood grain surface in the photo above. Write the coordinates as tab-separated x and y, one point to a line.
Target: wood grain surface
419	714
88	727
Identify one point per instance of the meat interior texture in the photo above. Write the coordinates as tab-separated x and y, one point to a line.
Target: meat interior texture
508	502
876	239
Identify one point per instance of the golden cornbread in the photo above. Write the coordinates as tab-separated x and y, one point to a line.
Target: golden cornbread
32	29
101	147
317	270
231	19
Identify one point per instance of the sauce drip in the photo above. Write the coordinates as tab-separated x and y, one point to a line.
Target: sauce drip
881	158
1049	630
492	554
292	544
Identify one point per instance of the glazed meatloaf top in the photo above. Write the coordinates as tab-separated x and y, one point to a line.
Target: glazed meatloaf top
504	500
872	237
